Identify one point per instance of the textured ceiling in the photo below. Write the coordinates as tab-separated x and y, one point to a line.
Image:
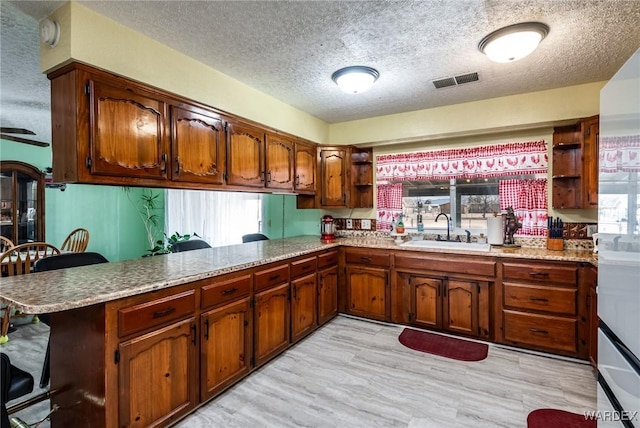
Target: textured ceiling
290	49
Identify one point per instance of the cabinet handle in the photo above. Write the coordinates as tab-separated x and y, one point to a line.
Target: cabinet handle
365	259
269	177
538	299
262	176
295	294
533	273
177	165
230	291
163	162
588	301
535	330
163	313
306	267
193	334
274	277
297	182
206	329
344	198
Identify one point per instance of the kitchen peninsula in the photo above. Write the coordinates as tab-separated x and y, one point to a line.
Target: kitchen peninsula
120	330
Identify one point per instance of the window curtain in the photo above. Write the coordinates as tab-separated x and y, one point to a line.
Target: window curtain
389	204
529	201
620	154
220	218
476	162
497	160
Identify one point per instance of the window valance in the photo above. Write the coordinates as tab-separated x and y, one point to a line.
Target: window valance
620	154
476	162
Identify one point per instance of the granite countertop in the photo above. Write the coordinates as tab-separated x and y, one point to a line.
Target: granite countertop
66	289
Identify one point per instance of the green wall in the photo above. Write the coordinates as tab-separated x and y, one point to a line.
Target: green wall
283	219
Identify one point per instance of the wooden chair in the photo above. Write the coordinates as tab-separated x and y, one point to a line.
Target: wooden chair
5	243
76	242
20	260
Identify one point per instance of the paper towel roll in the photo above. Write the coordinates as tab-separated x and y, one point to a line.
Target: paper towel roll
495	230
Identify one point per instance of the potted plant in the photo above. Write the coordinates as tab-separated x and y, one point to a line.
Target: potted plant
146	207
164	246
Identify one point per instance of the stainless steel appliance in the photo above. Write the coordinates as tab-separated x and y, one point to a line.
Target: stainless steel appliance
619	249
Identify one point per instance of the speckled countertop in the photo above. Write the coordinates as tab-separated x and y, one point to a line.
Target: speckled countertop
66	289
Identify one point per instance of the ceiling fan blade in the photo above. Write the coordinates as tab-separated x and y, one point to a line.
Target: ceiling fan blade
23	140
16	131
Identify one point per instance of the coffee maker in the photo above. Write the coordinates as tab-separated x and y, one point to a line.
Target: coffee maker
327	229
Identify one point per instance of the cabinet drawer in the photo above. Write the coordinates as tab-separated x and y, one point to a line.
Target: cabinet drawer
541	272
146	315
303	267
540	298
327	259
545	331
269	277
462	264
362	258
225	291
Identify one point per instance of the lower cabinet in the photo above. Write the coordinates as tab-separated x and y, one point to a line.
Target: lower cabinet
272	322
158	375
368	292
304	298
443	303
592	316
327	294
225	346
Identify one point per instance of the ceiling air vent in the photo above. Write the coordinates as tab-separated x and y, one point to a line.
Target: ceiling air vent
455	80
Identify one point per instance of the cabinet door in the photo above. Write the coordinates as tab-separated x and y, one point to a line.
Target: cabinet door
127	135
426	304
303	306
461	306
198	146
279	163
305	173
327	294
367	292
157	376
271	328
333	170
225	346
591	134
245	155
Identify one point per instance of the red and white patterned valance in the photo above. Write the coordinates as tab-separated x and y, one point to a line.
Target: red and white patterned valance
620	154
477	162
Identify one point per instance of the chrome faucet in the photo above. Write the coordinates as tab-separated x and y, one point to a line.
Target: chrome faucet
448	230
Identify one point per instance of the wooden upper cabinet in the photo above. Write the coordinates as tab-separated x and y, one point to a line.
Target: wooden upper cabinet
305	168
279	162
591	132
245	155
127	135
333	173
198	145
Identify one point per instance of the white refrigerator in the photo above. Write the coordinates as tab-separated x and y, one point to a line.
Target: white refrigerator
619	249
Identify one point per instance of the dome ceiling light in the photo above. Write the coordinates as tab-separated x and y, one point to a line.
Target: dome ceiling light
355	79
514	42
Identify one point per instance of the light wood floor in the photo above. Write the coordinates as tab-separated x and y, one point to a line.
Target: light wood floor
355	373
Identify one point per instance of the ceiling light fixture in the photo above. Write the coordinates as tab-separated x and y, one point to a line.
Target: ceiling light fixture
513	42
355	79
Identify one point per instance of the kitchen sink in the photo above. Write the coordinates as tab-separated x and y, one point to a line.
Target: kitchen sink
448	245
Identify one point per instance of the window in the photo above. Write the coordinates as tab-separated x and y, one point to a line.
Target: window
473	200
220	218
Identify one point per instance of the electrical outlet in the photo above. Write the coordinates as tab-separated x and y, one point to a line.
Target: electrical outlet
349	223
365	224
591	229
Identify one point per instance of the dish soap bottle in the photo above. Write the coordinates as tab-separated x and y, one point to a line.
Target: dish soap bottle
400	226
420	224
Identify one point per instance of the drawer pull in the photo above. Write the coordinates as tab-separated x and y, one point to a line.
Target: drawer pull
229	291
306	267
365	259
274	277
538	299
539	273
535	330
163	313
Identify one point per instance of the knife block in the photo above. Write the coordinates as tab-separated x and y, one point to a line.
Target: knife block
555	244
